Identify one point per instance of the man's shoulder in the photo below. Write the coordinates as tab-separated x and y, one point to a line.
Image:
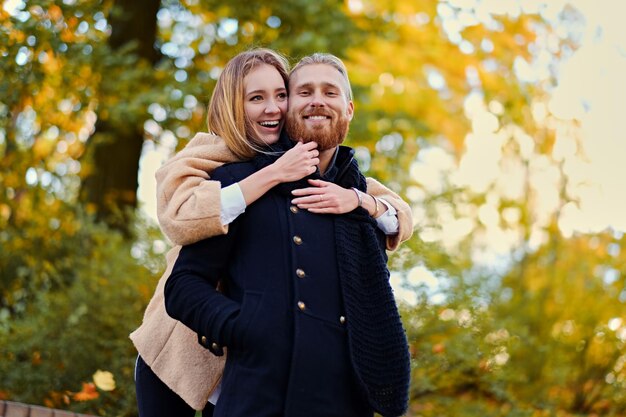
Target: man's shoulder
233	172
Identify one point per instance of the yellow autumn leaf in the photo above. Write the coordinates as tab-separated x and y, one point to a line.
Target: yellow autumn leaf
104	380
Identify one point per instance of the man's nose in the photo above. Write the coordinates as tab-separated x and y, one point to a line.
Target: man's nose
317	99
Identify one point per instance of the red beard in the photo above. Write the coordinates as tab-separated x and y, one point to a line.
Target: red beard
326	136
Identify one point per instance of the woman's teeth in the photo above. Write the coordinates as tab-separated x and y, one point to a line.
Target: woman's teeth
269	124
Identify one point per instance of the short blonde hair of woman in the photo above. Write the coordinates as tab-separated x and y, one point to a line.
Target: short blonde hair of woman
226	116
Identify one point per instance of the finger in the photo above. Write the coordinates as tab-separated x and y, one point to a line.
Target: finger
319	183
308	200
325	210
309	146
307	191
314	206
323	205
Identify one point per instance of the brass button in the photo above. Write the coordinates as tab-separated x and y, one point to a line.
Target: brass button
297	240
301	305
203	340
300	273
342	319
215	346
293	209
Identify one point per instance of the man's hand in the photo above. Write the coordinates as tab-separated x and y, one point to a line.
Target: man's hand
325	198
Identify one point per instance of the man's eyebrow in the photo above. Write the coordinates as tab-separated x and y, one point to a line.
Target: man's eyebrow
325	84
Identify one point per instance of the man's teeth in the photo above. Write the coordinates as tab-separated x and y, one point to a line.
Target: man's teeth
317	117
269	124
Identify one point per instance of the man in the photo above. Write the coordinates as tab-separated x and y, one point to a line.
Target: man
310	322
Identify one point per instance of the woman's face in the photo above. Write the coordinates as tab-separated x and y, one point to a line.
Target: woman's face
265	103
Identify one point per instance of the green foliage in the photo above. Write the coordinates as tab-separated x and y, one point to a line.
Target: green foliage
65	335
546	339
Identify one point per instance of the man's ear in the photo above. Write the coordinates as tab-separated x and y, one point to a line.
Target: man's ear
350	110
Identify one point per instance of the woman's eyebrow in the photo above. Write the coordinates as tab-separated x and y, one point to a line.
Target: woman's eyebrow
261	91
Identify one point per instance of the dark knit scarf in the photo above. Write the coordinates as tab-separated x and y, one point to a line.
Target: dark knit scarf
376	338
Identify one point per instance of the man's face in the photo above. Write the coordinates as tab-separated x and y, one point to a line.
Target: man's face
319	110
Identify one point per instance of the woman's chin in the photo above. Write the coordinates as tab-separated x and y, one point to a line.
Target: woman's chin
269	139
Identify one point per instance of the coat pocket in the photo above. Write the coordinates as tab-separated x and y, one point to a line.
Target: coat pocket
249	309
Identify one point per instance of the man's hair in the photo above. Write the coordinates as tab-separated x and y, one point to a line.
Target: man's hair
326	59
226	116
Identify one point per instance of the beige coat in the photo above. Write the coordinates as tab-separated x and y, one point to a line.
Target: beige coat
188	208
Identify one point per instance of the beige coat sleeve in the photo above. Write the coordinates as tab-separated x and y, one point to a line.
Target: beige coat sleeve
405	215
188	202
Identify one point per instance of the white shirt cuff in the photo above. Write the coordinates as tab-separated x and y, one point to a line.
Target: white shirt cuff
232	203
388	221
215	395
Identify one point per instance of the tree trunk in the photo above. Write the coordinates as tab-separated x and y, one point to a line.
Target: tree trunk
110	187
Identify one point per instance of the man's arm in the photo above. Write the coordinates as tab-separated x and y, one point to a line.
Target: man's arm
190	294
190	291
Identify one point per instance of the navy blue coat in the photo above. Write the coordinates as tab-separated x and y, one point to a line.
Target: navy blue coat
283	318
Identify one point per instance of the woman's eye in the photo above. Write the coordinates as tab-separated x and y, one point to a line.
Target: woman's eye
256	98
282	96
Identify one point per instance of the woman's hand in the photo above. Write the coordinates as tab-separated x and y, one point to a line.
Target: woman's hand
325	197
297	162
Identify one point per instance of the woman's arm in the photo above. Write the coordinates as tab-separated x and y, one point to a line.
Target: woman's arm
297	163
403	212
326	197
189	204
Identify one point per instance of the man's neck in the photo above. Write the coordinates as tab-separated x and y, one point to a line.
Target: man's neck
325	158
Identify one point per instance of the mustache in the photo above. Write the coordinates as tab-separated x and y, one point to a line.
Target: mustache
316	112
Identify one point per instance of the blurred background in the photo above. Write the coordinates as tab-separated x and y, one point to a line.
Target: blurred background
500	121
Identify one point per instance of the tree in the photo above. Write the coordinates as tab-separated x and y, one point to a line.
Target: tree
115	147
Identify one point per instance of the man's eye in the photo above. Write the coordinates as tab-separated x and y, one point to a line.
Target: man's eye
303	93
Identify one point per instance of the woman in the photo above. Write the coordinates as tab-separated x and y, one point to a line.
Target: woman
170	355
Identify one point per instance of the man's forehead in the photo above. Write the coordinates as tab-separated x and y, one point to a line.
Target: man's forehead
316	74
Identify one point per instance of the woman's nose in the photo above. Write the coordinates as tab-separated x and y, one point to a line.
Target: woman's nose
272	107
